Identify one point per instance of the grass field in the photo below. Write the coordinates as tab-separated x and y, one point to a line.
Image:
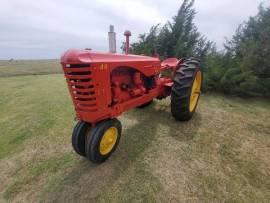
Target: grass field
29	67
222	155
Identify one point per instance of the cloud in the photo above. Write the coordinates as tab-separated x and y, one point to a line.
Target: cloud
45	29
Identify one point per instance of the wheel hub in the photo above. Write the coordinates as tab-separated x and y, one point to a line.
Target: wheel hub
196	91
108	140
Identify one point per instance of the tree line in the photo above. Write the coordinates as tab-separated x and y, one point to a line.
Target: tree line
241	68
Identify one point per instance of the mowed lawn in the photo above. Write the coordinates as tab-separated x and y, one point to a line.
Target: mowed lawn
222	154
29	67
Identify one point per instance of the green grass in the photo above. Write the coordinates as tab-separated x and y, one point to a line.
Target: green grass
221	155
46	167
29	67
31	108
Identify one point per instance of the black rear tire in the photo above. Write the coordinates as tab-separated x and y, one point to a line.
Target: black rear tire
95	136
79	137
182	88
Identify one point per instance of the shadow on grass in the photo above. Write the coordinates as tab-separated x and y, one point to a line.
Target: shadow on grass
181	131
87	181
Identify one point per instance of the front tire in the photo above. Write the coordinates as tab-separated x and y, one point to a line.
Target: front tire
103	140
79	136
186	90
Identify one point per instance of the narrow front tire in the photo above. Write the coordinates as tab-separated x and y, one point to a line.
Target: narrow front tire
102	140
79	136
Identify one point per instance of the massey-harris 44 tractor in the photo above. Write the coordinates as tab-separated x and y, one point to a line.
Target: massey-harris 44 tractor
104	85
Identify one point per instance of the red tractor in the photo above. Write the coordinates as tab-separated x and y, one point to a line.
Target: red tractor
104	85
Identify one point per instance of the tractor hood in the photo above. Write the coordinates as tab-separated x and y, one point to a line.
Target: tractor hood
88	56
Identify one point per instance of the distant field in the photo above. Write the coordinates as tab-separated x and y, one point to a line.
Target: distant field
29	67
222	155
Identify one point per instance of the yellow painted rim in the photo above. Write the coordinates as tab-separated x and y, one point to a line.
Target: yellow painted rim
108	140
196	91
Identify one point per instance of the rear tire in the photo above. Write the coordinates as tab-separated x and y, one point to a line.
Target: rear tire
103	140
79	137
186	90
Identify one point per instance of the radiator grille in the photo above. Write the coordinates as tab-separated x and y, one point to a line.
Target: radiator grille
81	86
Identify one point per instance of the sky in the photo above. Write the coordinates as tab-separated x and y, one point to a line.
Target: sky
43	29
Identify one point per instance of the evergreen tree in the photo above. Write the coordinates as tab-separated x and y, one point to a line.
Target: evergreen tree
179	38
147	43
250	51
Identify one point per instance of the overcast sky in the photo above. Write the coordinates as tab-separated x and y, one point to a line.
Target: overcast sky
32	29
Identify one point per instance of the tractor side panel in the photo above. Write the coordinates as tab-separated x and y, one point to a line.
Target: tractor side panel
148	68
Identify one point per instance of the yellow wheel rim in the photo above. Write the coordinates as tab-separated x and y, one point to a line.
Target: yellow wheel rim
196	91
108	140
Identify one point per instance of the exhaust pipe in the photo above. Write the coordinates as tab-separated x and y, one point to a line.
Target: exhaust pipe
112	40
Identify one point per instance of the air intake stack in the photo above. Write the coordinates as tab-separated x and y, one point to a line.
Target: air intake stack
112	40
